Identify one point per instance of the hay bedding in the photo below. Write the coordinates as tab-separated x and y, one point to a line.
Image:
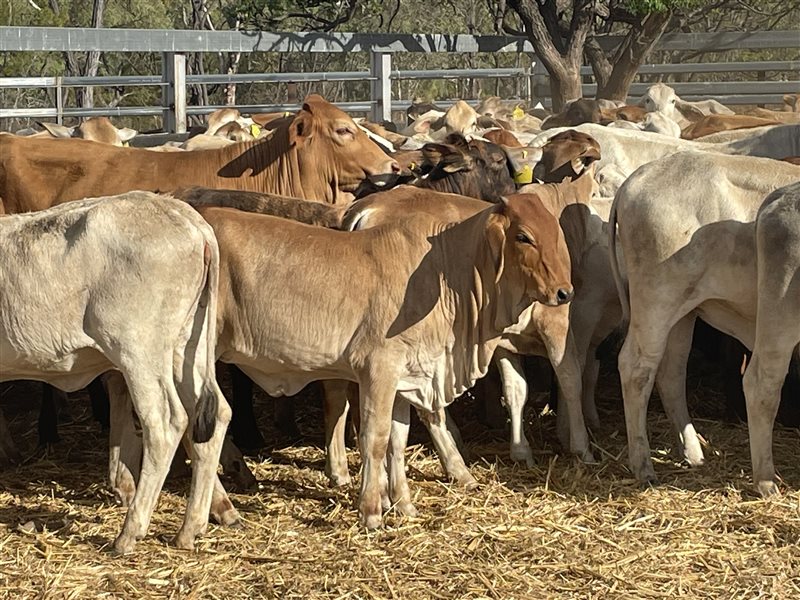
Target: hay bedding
560	529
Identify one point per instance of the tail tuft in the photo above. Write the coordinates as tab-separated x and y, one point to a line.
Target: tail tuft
205	418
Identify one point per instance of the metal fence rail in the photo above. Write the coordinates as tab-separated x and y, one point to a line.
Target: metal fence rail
173	44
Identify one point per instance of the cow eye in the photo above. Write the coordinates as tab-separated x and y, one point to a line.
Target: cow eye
344	131
524	239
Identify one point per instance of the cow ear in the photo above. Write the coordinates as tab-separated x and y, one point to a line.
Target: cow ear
688	111
56	130
449	158
126	134
300	129
496	239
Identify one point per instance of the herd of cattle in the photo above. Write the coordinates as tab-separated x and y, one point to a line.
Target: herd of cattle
395	266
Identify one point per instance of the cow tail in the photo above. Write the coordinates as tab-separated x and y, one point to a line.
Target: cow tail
205	418
622	289
613	342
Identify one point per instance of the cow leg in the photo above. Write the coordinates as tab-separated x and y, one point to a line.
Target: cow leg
563	355
591	373
671	385
446	448
222	510
8	450
235	467
515	394
638	364
125	447
99	400
399	491
763	380
164	421
205	458
336	405
243	427
48	417
376	397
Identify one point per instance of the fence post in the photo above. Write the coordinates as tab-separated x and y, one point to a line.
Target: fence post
381	86
173	67
59	101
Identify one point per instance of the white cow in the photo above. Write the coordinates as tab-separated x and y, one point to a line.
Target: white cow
628	150
686	231
777	332
97	129
662	98
69	283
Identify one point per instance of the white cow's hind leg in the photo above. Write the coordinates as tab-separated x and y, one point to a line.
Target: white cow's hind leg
125	447
671	384
762	389
337	405
205	458
637	371
398	484
164	421
446	448
515	394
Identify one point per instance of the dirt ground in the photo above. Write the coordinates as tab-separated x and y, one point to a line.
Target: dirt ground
559	530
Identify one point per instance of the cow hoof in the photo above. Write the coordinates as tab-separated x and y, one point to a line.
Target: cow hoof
587	457
123	545
522	454
406	509
227	515
184	541
767	489
340	480
466	481
371	521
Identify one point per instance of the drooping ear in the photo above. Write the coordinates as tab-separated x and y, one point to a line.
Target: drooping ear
300	130
126	134
588	155
688	111
449	158
496	238
56	130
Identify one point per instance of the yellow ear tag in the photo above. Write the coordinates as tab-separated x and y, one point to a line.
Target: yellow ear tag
518	113
524	154
255	130
412	166
524	176
126	144
287	114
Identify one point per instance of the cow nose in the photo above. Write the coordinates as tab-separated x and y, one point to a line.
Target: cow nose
564	295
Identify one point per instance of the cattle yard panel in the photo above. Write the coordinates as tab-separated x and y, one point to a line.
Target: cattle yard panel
174	44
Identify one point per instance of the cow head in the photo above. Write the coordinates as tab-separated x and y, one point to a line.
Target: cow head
330	145
531	257
478	169
96	129
567	154
662	98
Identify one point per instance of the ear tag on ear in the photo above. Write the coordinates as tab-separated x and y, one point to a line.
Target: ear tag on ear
518	113
255	130
287	114
524	154
524	176
412	166
126	144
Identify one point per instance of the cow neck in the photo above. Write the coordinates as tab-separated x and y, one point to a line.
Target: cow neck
265	165
478	308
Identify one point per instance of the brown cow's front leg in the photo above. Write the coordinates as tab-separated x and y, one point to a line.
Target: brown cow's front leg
376	395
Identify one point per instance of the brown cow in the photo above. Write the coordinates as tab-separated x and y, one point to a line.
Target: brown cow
403	330
318	154
566	155
715	123
96	129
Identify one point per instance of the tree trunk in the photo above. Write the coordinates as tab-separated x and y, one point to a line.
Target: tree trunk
631	54
565	86
85	95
